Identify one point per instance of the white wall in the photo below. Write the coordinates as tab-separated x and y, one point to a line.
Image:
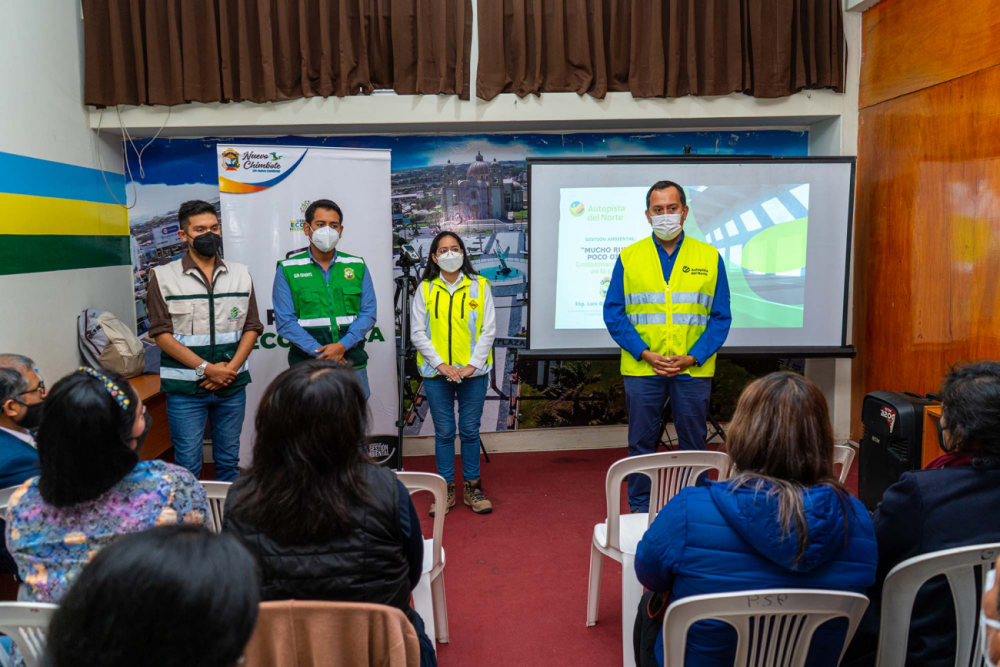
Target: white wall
831	118
42	116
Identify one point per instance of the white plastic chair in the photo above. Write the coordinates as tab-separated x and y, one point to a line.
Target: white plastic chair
216	492
785	618
428	597
618	537
26	624
963	567
843	455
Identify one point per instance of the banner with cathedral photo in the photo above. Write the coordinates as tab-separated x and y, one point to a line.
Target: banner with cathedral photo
476	186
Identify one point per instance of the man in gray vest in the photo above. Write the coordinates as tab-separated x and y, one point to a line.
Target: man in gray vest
203	315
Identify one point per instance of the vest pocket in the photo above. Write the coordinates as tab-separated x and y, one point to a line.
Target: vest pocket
181	316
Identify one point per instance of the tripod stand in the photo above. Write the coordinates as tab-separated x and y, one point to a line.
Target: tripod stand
665	418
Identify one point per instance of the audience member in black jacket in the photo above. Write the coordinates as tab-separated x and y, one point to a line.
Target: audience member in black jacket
949	504
324	522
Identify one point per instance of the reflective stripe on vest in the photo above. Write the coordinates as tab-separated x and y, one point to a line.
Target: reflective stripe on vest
687	301
208	321
454	323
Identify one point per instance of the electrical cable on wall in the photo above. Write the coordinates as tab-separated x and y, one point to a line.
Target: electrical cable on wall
127	140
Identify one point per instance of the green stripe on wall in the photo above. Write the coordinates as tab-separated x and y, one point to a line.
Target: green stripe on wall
22	253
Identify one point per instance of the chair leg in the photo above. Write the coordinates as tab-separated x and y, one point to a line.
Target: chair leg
424	606
631	595
594	587
440	608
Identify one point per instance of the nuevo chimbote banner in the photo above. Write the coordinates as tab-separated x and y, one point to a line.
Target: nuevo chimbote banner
264	192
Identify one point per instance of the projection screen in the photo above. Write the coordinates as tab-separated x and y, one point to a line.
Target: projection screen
781	225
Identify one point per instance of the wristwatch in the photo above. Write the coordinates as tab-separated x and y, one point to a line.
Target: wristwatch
200	371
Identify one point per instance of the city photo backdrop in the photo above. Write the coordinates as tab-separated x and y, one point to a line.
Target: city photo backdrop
475	186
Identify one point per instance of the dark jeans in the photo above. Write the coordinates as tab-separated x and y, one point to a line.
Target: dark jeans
644	397
428	658
188	415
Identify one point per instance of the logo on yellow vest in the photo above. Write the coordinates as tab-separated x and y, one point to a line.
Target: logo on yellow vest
473	304
349	273
695	272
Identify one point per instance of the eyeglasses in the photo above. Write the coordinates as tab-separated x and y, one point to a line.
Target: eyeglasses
40	388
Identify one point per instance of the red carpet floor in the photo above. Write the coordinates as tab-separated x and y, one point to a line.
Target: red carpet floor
516	579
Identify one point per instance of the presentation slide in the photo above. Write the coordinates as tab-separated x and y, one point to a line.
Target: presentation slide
786	273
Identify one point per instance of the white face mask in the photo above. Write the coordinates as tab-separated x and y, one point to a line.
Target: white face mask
667	226
325	239
451	261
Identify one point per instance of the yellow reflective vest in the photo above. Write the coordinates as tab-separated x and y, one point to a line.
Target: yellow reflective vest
454	322
669	318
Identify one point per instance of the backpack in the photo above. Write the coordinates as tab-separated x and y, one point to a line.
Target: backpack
107	343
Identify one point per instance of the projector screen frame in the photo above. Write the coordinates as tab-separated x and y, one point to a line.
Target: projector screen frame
844	350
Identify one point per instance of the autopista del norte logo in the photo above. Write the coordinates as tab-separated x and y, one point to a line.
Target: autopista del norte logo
600	213
577	209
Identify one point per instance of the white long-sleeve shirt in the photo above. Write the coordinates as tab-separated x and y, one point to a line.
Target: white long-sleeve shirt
422	340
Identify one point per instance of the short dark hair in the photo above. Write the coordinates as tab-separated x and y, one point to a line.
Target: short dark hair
327	204
12	385
173	596
432	270
663	185
83	439
970	407
308	457
192	208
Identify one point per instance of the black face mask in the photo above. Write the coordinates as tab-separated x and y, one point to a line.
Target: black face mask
207	244
941	440
32	417
141	438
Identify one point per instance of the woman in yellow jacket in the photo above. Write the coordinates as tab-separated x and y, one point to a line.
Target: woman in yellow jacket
453	326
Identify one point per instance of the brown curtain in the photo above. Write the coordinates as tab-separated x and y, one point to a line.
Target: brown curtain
660	48
177	51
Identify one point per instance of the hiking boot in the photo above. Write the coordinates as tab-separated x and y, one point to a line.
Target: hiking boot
476	499
451	500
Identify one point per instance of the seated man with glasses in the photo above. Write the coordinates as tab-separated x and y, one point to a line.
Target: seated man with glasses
21	393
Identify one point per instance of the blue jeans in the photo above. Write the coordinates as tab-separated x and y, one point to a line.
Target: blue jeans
363	379
441	396
187	415
644	398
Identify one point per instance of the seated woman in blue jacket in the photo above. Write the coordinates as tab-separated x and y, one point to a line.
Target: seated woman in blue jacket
783	521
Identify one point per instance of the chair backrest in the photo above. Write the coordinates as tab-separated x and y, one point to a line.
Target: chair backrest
669	472
216	492
774	627
331	633
26	624
963	567
5	495
436	485
843	455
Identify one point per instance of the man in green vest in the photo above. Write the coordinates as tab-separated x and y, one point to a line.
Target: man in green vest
324	300
668	309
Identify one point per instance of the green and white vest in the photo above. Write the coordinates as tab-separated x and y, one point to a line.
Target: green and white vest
208	320
326	309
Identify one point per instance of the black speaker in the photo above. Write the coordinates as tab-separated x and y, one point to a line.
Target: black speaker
891	441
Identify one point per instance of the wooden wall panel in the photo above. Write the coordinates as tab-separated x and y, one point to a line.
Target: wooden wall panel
927	239
909	45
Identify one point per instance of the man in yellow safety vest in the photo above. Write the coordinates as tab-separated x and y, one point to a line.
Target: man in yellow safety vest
668	309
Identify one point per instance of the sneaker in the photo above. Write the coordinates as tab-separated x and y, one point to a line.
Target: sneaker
451	500
476	499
